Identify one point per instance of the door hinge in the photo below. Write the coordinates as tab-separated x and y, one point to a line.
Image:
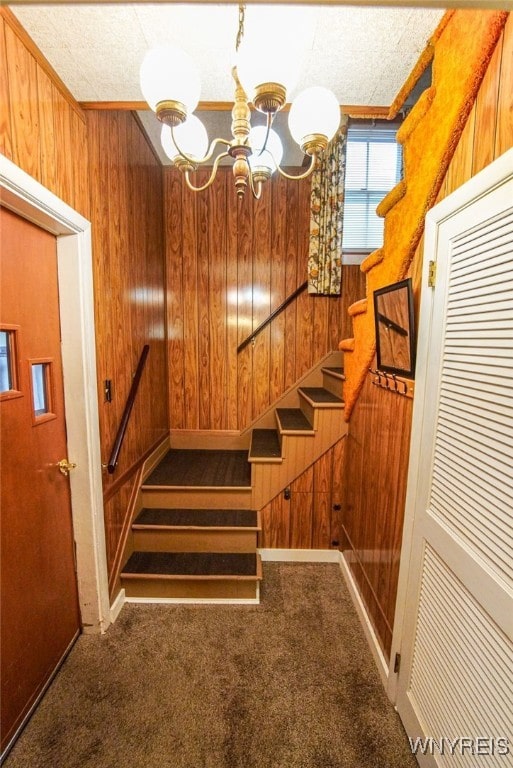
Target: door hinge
432	274
397	663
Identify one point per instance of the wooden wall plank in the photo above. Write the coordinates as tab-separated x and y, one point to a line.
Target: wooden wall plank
261	229
48	149
175	293
321	520
206	375
245	322
292	281
486	112
23	106
301	520
5	114
278	292
63	139
217	331
190	303
79	159
232	308
504	134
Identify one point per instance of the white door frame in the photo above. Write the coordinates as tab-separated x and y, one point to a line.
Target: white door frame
25	196
490	178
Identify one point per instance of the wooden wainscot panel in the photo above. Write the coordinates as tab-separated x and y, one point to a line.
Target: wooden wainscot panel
376	471
229	266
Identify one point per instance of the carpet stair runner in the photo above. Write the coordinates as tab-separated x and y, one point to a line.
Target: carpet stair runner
196	536
460	50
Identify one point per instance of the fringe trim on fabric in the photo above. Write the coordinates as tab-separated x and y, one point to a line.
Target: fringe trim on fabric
374	258
391	199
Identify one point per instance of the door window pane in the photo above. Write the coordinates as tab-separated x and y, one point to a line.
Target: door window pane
40	388
6	382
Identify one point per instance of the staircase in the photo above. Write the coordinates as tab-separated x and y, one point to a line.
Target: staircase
460	48
195	535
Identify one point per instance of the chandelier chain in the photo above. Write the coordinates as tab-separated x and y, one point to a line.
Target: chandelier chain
240	31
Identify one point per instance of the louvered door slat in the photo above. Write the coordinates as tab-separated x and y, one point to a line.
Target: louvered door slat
458	613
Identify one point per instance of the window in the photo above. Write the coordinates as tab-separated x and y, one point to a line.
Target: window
41	381
373	168
5	362
39	388
9	384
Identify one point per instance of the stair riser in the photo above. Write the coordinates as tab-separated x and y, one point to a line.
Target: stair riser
310	412
196	498
191	589
194	541
332	384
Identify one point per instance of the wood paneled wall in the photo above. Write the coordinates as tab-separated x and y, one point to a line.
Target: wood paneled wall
229	265
378	444
129	275
42	129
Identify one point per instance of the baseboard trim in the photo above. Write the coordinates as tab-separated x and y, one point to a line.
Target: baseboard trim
368	629
117	605
299	555
192	601
197	600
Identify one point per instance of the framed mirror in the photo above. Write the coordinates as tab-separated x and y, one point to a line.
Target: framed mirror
394	324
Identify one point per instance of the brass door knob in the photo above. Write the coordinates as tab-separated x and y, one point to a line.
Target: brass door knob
65	466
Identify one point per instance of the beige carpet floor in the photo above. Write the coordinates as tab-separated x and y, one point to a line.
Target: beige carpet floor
286	684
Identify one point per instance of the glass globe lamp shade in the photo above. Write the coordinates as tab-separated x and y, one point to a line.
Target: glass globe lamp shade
190	136
272	155
169	74
256	68
314	112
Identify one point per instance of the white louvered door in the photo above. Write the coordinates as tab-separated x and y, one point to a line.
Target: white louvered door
454	626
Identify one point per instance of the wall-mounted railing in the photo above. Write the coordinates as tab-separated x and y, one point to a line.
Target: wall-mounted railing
271	317
118	442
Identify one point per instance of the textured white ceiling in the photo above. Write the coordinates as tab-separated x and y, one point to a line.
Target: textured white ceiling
364	54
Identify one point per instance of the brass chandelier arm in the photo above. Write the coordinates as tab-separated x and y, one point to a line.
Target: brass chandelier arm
256	189
200	160
313	160
211	177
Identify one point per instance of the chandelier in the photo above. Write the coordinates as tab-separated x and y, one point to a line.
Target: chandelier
171	86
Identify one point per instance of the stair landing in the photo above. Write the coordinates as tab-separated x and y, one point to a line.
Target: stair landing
201	469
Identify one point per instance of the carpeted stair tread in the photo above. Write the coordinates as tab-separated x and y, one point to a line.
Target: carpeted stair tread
334	371
293	420
198	518
265	444
320	395
202	468
191	564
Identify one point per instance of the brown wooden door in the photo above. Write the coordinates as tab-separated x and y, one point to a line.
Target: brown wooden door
40	615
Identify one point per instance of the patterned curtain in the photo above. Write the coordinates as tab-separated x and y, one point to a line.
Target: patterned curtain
327	202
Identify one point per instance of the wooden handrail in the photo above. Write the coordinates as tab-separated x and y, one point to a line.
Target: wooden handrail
273	314
118	442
